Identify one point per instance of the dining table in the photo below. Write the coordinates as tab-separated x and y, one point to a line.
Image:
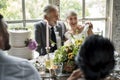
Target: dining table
114	75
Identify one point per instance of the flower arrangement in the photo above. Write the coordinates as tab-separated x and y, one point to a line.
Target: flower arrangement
65	55
31	44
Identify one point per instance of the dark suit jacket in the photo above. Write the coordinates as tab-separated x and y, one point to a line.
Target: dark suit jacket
40	34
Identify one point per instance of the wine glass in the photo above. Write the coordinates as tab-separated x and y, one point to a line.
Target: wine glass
42	65
58	69
49	65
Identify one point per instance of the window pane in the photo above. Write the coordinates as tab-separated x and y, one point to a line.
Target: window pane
30	26
95	8
11	9
34	8
99	27
66	5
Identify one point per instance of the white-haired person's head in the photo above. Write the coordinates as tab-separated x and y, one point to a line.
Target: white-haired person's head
51	14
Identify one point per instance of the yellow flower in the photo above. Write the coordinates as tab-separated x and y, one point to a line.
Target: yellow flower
66	48
70	56
78	42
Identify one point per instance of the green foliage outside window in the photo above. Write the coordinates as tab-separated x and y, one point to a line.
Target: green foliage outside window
66	5
11	9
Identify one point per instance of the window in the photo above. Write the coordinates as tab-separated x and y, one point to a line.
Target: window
87	10
66	5
23	13
11	9
34	8
95	8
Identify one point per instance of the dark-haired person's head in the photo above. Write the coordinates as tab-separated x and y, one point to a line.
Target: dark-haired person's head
96	57
4	36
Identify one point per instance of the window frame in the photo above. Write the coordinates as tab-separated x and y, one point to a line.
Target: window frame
24	21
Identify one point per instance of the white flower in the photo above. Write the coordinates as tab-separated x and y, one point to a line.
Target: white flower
68	43
52	44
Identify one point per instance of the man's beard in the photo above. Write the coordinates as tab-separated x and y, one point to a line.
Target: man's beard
53	23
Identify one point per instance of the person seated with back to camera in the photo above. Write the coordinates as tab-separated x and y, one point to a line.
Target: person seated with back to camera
51	16
13	68
95	59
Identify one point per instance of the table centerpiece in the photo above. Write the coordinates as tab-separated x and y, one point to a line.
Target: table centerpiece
65	55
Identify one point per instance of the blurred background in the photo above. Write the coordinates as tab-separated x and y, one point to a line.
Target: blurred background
104	14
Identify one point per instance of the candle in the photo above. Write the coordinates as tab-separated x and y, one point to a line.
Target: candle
47	34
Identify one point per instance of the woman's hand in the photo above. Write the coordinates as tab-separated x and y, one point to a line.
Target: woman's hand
90	32
90	25
75	75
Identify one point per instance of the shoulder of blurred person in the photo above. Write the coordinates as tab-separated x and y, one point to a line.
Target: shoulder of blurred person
13	68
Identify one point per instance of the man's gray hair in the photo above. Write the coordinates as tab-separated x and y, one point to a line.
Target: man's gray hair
49	8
